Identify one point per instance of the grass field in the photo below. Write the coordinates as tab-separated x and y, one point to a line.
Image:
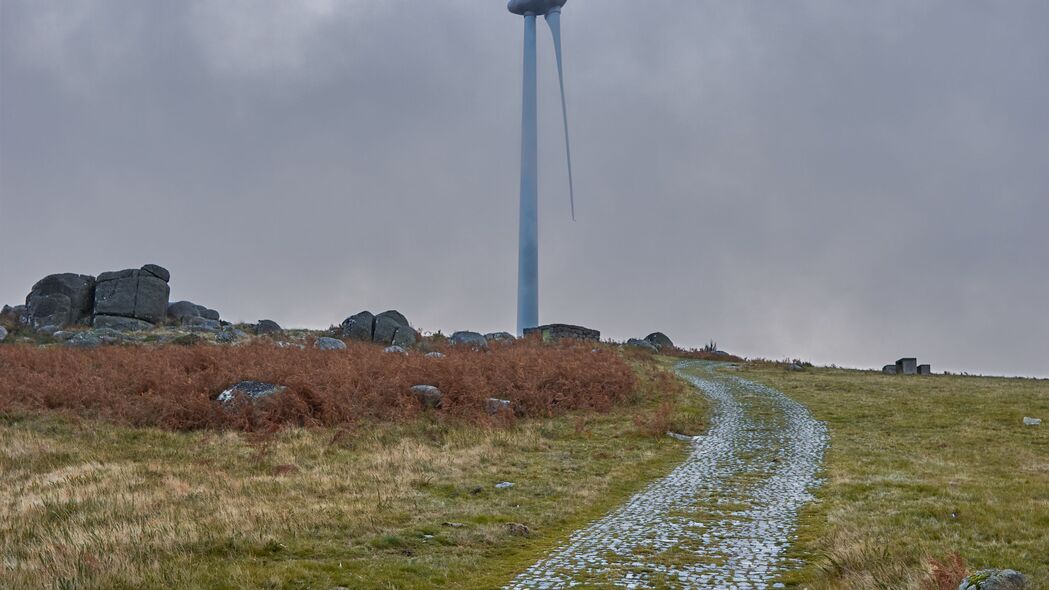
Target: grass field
404	504
921	468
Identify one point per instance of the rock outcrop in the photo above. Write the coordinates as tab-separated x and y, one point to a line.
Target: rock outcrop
389	328
642	344
471	340
267	327
554	332
60	300
659	340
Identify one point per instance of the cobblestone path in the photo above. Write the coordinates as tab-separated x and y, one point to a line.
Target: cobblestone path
722	519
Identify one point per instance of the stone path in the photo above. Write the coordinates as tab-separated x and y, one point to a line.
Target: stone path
722	519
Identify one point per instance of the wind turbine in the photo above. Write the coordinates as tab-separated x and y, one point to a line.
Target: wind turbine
528	248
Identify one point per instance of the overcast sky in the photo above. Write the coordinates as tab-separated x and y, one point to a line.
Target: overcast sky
844	182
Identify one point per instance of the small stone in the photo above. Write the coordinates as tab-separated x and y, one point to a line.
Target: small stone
395	350
435	355
253	390
504	485
229	335
325	343
517	529
84	340
3	333
267	327
454	525
428	395
291	345
995	580
642	344
496	406
1032	421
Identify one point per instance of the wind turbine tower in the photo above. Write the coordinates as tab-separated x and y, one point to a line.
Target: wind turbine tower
528	249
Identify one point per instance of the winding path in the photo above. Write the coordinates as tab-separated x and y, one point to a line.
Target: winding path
722	519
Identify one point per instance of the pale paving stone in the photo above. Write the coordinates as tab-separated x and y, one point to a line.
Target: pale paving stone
759	466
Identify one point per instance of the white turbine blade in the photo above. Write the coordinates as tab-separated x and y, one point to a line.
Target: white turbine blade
553	18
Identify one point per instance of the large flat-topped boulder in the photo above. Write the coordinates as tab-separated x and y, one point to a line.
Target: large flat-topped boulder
554	332
131	293
60	300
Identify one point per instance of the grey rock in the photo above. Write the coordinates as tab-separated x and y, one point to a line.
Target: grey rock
84	340
3	333
158	271
1028	421
291	345
267	327
555	332
499	337
359	327
200	324
54	295
659	340
181	310
252	390
16	314
121	324
642	344
53	309
325	343
63	335
428	395
48	329
907	366
995	580
435	355
108	335
230	335
385	329
133	294
925	369
395	350
795	367
503	485
496	406
405	337
394	315
889	369
210	314
471	340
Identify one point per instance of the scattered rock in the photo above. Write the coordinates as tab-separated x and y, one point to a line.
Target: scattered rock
120	323
642	344
517	529
267	327
428	395
229	335
3	333
454	525
659	340
496	406
471	340
60	300
290	345
252	390
16	314
504	485
325	343
359	327
48	329
995	580
188	340
435	355
84	340
795	367
405	337
1032	421
395	350
502	337
201	324
681	437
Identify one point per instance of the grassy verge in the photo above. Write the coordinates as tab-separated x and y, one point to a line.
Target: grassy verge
86	504
920	469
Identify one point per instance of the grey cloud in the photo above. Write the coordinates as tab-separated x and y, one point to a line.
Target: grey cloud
846	182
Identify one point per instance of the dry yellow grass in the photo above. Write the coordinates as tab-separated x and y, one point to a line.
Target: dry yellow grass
90	505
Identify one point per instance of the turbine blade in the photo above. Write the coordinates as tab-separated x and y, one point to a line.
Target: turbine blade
553	18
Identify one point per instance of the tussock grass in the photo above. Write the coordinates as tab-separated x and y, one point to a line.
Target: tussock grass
921	469
375	503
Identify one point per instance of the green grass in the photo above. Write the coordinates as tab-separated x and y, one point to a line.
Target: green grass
920	468
89	505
